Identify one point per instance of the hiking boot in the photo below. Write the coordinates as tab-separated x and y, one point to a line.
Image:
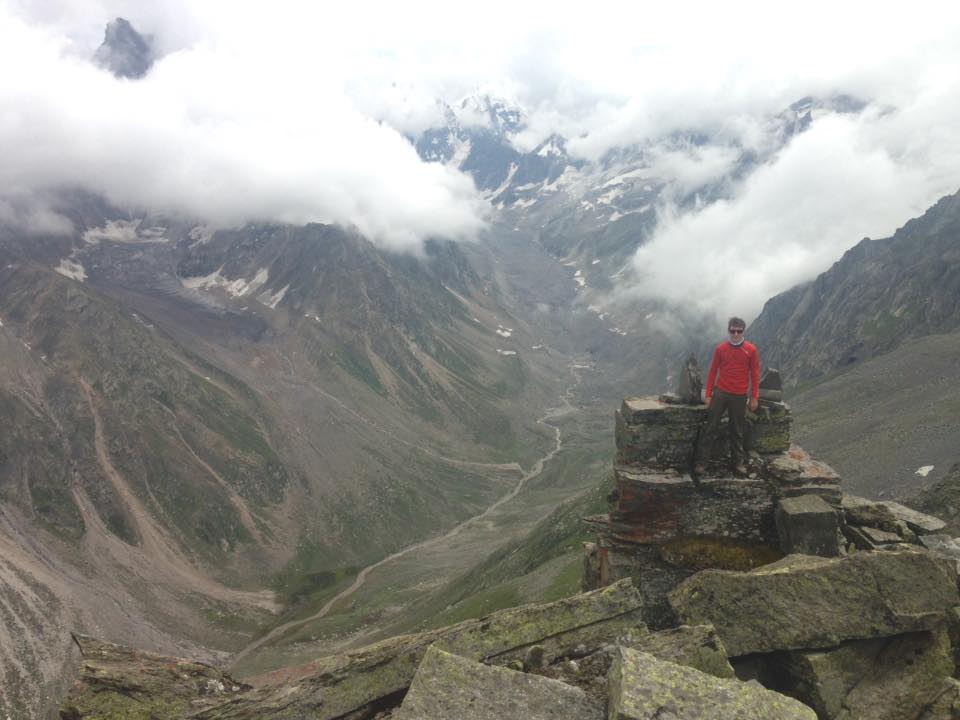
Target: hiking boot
699	470
740	470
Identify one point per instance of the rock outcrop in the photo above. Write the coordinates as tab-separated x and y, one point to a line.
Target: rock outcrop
841	602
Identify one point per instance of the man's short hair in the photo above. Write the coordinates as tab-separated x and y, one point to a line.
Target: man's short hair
736	322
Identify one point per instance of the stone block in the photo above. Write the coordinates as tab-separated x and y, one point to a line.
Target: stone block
878	679
448	686
641	687
861	540
660	507
880	537
808	525
656	434
807	602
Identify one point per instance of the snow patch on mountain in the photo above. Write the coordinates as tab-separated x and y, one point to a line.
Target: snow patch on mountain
237	287
72	269
271	301
126	232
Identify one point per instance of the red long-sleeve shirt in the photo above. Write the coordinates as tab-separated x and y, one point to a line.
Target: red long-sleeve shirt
735	369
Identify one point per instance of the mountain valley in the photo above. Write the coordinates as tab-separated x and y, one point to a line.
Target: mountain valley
257	444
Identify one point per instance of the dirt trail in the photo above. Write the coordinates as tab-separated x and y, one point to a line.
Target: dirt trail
565	407
156	547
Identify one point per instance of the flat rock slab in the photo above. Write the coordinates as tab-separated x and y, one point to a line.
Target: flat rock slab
641	687
448	686
919	522
942	545
334	687
809	602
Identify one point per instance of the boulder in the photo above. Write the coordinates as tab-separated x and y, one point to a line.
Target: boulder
808	525
862	512
117	681
695	646
806	602
878	679
449	686
641	687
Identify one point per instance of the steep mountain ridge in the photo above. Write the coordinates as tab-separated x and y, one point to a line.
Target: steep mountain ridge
880	295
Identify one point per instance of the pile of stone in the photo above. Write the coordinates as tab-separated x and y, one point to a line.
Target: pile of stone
849	605
588	657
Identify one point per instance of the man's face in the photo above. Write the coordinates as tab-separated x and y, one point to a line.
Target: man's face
735	333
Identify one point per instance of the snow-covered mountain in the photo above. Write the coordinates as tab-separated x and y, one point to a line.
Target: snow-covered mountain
592	215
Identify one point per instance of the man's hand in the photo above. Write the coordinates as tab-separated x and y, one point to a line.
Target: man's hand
706	401
754	404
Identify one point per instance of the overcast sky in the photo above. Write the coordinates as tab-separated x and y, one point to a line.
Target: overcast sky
297	112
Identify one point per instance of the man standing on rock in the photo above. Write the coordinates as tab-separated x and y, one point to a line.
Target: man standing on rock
734	373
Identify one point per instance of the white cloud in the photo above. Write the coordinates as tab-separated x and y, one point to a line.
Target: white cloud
845	178
224	135
274	110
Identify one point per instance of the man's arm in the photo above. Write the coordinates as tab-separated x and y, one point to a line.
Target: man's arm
755	380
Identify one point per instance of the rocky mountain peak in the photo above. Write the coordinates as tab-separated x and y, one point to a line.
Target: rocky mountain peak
124	51
496	114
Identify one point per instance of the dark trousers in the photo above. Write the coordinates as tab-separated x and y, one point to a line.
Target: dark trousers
735	406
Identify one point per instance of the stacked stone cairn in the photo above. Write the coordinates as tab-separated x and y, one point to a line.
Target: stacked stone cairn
849	605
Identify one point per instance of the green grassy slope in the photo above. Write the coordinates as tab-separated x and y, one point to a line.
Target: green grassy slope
881	421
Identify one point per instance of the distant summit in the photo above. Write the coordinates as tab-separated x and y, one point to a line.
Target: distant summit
124	51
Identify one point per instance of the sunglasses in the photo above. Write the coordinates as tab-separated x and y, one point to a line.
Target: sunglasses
735	331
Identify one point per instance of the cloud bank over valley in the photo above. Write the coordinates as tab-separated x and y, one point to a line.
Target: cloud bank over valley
298	114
